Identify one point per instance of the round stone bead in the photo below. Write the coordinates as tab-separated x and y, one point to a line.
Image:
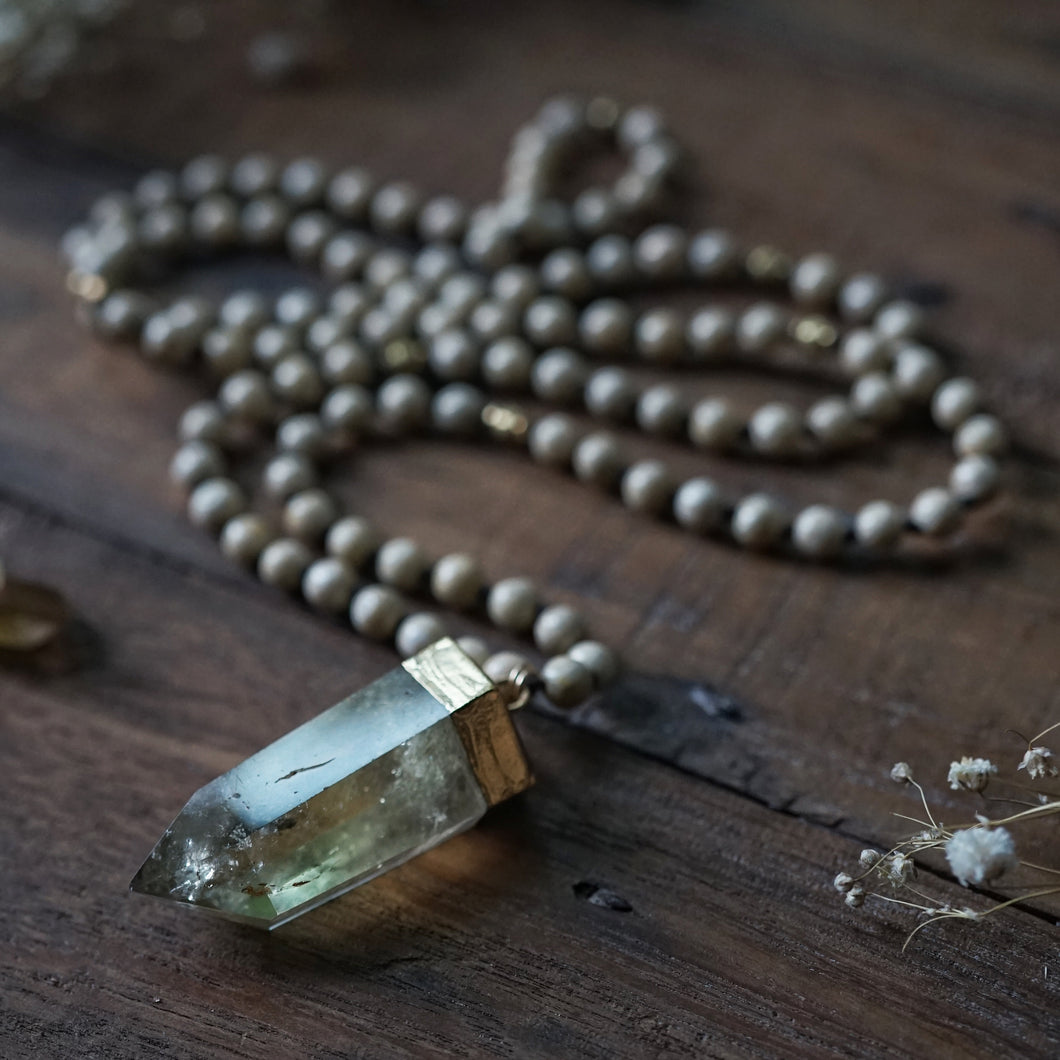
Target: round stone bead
244	538
934	511
861	296
121	315
376	610
597	458
610	393
244	310
418	631
353	540
862	351
899	320
815	279
605	326
564	271
307	515
394	207
303	181
348	409
254	174
954	401
647	486
759	521
873	397
204	421
453	354
917	372
980	435
288	474
203	175
296	381
327	585
475	648
610	260
246	396
214	501
307	235
302	433
272	343
512	604
501	666
491	320
714	424
403	402
819	531
401	562
557	628
506	364
775	429
457	409
515	285
594	211
567	683
974	478
297	307
349	192
699	505
659	252
194	462
263	221
661	410
659	335
712	255
456	581
435	264
442	219
832	422
552	438
598	659
283	562
549	321
226	351
558	376
710	333
214	221
759	327
879	524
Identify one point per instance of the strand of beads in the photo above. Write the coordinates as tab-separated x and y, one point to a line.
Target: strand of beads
435	310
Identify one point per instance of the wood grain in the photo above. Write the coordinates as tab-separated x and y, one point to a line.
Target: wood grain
744	759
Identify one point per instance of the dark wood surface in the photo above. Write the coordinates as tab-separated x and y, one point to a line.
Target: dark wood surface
742	762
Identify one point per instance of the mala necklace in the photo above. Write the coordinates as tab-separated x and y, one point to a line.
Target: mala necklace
437	316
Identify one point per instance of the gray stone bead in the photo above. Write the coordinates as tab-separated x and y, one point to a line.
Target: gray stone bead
214	501
832	422
512	604
163	229
557	628
156	188
324	332
815	280
353	540
298	307
202	176
402	563
226	350
598	659
386	267
917	372
253	175
552	439
349	193
263	221
610	393
873	397
597	458
954	401
775	429
196	461
659	335
272	343
878	524
860	297
435	263
475	648
301	433
760	327
453	354
564	271
899	320
712	255
296	381
308	234
442	219
550	321
861	351
503	665
606	326
344	255
283	562
121	315
376	610
308	514
515	285
759	521
348	303
710	333
214	221
699	505
819	531
647	487
204	421
245	310
558	376
403	402
610	260
463	291
974	478
506	364
245	395
661	409
714	424
288	474
595	212
345	362
394	207
490	321
659	252
418	631
327	585
567	683
244	537
457	409
303	182
456	581
934	511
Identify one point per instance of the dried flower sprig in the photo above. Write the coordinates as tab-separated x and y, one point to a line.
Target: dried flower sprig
978	852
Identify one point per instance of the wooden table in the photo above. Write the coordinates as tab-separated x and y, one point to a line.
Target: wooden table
665	890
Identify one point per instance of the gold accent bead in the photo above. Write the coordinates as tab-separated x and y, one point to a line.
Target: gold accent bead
768	264
507	423
88	286
602	113
816	331
404	355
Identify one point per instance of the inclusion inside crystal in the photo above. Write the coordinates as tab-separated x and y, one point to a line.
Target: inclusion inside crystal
375	780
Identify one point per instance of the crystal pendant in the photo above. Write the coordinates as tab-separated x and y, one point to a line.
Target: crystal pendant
390	772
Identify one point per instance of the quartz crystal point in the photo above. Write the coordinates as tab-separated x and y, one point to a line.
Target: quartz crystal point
390	772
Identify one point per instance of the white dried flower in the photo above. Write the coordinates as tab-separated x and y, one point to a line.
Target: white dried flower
868	858
900	868
978	855
843	882
1038	761
971	773
901	773
855	896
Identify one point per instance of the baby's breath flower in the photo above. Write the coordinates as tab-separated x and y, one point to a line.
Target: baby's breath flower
971	773
901	773
900	868
855	896
868	858
843	882
1038	761
978	855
